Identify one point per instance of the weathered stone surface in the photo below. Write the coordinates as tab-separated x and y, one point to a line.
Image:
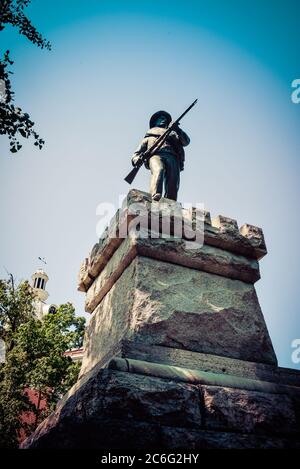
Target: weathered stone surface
110	322
288	376
255	236
149	399
113	270
225	224
233	241
102	251
248	411
198	377
84	279
208	362
125	398
123	410
224	234
212	333
157	303
197	311
205	258
198	216
160	303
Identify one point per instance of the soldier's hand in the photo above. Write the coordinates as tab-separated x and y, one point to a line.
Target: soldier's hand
177	128
135	160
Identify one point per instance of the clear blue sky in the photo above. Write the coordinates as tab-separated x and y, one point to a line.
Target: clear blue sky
113	63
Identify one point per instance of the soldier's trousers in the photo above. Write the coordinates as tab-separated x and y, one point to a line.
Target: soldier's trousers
164	170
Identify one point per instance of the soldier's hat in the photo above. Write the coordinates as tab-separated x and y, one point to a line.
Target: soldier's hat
156	115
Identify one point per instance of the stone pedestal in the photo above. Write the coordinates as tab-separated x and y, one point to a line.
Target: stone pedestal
177	352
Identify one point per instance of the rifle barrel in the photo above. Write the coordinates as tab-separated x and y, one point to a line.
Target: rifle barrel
186	111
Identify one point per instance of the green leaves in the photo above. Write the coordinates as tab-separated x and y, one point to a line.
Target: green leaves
11	12
14	122
16	308
34	358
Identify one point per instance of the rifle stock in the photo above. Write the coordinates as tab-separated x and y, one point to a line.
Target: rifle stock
130	176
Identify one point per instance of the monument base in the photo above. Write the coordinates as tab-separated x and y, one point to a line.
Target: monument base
177	351
135	404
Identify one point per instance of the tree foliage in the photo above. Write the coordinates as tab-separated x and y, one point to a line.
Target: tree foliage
35	359
15	122
16	308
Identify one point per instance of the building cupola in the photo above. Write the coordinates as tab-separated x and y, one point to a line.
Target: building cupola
39	280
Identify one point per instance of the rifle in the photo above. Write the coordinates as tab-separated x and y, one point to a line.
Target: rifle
159	142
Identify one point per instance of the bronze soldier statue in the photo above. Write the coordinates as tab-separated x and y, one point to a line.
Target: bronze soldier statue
166	162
